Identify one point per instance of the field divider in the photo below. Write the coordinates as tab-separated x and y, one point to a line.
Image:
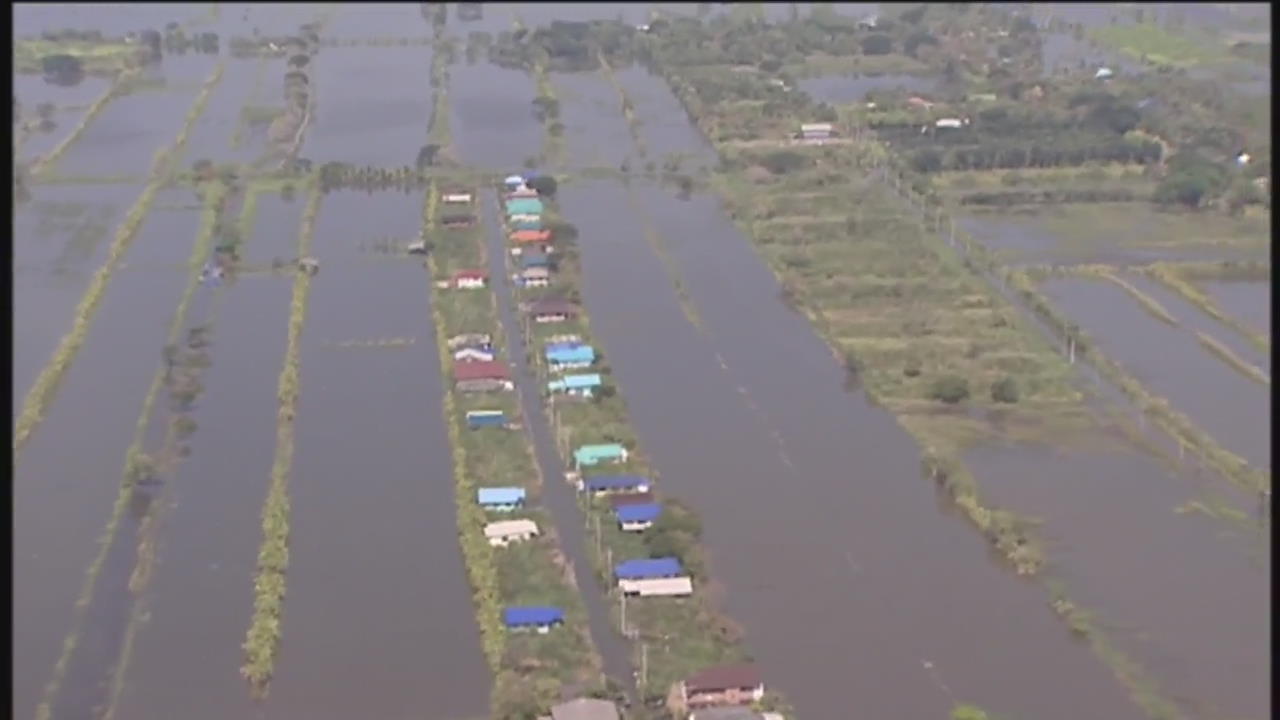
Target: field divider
50	159
46	384
262	639
1169	276
1229	356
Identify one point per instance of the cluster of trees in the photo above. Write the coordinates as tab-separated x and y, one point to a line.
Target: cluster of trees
953	389
470	11
567	46
177	42
1006	198
338	175
999	155
676	533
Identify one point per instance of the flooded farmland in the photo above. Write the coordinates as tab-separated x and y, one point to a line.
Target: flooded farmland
845	492
492	109
662	122
122	140
1249	302
1173	364
596	134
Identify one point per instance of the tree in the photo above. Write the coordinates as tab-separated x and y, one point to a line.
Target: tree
877	45
61	67
1005	390
299	61
780	162
949	389
203	169
545	185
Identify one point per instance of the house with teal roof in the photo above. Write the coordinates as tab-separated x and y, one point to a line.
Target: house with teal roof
588	455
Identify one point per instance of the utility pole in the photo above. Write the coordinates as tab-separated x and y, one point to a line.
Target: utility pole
623	600
598	539
644	664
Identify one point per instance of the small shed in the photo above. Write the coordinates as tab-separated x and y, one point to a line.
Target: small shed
585	709
588	455
512	182
648	568
534	277
816	131
627	499
551	310
1103	73
526	237
456	197
500	499
580	385
953	123
565	339
567	356
477	419
458	220
680	586
473	354
722	685
614	484
506	532
483	340
469	279
637	518
538	618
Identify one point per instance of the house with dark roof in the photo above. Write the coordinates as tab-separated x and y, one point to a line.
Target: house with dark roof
482	376
722	685
551	309
614	484
623	500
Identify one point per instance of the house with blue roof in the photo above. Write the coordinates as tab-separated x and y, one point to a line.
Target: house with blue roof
477	419
579	385
637	518
588	455
538	618
648	568
513	181
566	356
500	499
533	258
611	484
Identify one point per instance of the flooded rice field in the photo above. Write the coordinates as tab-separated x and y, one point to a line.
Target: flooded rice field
1172	364
380	20
109	18
200	594
71	103
211	135
1176	595
356	120
1193	320
61	238
66	497
662	122
491	111
124	138
595	131
375	570
1248	302
786	465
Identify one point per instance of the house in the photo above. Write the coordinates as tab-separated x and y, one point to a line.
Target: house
681	586
482	376
637	518
614	484
477	419
816	131
648	569
567	356
534	258
524	191
733	713
534	277
624	500
458	220
550	309
500	499
482	340
723	685
1103	73
473	354
526	222
538	618
565	339
578	385
525	237
468	279
512	182
588	455
505	532
949	123
456	197
524	206
584	709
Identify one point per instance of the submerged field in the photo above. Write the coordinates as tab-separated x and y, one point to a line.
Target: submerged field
867	402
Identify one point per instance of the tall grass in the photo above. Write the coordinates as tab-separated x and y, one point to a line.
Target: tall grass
263	638
46	384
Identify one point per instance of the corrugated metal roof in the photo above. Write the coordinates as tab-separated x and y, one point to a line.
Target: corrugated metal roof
644	498
617	482
533	615
553	306
724	677
500	495
570	353
588	454
481	370
642	568
646	512
666	586
576	382
505	528
585	709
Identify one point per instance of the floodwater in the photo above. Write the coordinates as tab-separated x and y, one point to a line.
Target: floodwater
491	116
791	468
379	20
841	89
201	593
373	105
112	19
66	497
210	136
124	138
1180	598
378	619
72	103
61	238
663	123
595	132
1248	302
1171	363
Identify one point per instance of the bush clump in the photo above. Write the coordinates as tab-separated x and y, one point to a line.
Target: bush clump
1005	390
949	389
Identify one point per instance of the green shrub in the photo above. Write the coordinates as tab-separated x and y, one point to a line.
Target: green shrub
949	389
1005	390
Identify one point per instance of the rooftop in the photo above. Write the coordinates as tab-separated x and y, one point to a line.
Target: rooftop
619	501
504	528
642	568
482	370
499	495
585	709
532	615
640	512
552	306
724	677
616	482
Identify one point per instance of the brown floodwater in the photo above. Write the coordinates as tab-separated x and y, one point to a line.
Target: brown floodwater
1171	363
201	592
378	619
1187	601
65	498
849	580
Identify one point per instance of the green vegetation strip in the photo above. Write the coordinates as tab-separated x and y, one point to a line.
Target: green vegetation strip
50	159
677	637
135	460
46	385
628	109
1176	278
1229	356
263	638
532	671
